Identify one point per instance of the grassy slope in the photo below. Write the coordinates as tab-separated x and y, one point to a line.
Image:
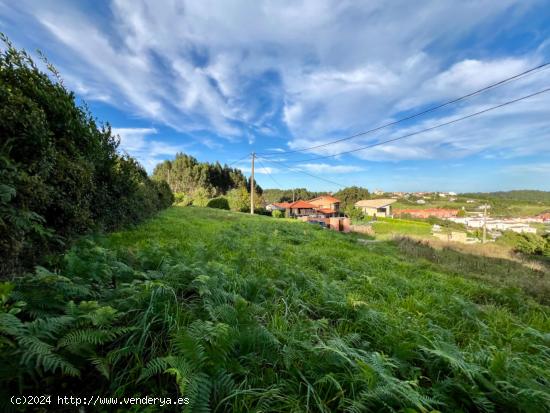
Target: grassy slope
248	313
342	316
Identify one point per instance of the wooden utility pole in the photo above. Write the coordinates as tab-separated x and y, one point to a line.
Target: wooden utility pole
252	186
484	223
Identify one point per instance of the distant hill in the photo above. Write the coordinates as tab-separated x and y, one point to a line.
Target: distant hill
525	195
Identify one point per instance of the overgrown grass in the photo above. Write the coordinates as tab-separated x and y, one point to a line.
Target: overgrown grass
498	271
243	313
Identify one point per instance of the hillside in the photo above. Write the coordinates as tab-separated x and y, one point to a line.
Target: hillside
243	313
525	195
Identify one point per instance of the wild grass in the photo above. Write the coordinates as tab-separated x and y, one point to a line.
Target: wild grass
243	313
489	265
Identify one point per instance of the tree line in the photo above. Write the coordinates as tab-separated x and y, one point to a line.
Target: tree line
207	184
60	172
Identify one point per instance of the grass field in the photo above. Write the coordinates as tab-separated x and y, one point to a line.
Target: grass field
387	228
243	313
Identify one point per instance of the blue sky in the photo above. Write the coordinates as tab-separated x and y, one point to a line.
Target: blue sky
219	79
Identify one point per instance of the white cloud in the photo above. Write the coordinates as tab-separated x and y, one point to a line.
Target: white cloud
335	68
148	152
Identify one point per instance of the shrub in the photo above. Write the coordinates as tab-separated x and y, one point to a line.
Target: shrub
201	197
182	199
355	214
61	174
239	199
219	203
277	214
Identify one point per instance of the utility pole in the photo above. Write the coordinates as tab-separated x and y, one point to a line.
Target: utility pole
252	185
484	223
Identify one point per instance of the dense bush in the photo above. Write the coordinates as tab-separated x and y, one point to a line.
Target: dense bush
525	243
350	195
182	199
354	213
219	203
239	200
277	214
60	173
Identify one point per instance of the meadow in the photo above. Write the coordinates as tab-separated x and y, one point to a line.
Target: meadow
388	227
243	313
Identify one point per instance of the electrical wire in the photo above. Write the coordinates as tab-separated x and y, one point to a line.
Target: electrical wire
491	86
269	174
294	169
424	130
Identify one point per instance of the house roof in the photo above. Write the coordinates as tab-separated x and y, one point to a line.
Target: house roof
326	211
281	204
327	198
301	204
375	203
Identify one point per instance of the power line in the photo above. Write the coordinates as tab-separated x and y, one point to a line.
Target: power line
294	169
269	174
425	130
494	85
238	160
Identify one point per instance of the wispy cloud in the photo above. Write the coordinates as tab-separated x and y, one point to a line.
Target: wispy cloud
298	73
138	143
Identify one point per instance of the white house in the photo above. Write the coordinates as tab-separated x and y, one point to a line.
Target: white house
376	207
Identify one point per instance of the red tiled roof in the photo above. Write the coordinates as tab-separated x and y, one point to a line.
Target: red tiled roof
282	204
328	198
326	211
301	204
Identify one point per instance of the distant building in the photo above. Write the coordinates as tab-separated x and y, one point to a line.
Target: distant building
421	202
301	208
426	213
326	204
376	207
277	206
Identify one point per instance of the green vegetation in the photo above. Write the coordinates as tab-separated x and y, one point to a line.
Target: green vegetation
243	313
500	272
350	195
499	206
394	226
277	214
60	173
287	195
220	202
528	244
185	174
524	195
